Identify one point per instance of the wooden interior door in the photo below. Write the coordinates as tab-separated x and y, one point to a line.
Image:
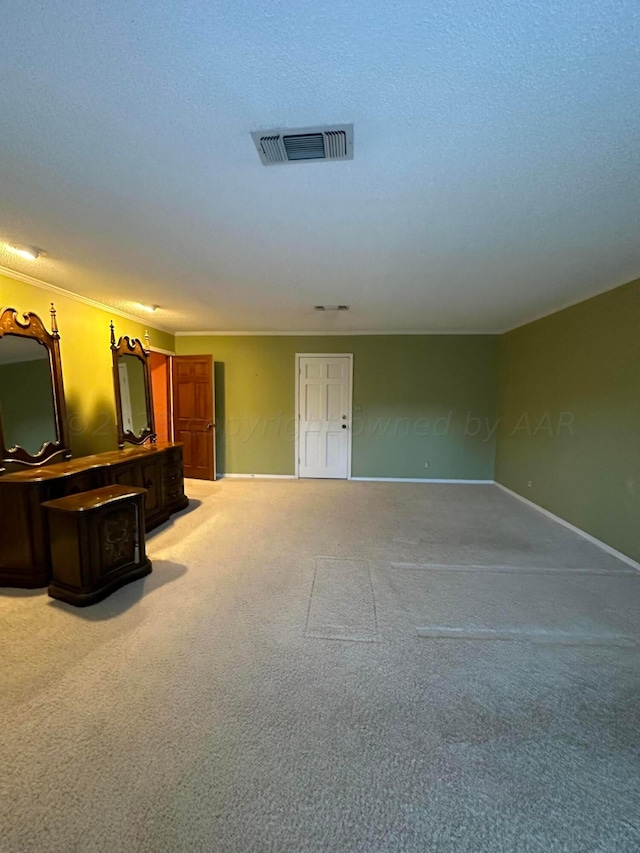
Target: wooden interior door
193	414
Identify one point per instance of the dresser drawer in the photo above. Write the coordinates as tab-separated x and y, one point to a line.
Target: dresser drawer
174	494
75	485
172	474
173	456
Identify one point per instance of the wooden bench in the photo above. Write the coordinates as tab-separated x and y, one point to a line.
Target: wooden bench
97	543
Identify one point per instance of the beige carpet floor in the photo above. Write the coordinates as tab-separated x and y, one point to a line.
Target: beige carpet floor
331	666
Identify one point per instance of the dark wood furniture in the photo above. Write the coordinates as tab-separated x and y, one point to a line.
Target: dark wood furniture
97	543
28	333
24	535
132	359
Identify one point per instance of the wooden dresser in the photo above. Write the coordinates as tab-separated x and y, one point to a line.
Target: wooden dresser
24	536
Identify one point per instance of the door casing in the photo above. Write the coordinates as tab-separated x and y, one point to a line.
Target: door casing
300	355
169	353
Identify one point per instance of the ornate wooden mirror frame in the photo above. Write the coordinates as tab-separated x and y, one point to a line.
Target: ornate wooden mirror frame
132	347
31	326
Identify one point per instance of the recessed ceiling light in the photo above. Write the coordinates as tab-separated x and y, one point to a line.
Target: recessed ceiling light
331	307
30	253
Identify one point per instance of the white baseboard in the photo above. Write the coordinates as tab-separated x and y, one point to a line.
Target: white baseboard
255	477
421	480
359	479
598	542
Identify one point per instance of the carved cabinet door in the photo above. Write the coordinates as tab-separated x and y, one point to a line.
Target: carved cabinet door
152	481
127	475
146	474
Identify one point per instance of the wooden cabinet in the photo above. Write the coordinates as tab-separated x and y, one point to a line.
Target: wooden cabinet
24	534
97	543
145	474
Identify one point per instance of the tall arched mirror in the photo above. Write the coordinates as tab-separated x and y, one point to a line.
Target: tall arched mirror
132	385
32	409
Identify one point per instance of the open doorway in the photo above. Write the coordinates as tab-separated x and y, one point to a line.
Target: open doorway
160	364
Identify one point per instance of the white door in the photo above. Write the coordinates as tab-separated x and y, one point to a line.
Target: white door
324	416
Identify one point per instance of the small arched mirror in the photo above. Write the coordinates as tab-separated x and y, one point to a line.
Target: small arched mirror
32	409
132	383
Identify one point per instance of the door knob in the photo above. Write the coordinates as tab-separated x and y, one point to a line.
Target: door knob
209	426
344	426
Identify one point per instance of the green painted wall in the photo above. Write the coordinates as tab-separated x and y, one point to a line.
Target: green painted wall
137	393
86	359
422	398
570	415
555	403
26	403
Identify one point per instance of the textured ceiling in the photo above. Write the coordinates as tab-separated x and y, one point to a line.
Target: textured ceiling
496	174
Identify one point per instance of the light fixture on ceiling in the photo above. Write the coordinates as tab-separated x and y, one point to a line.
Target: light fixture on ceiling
330	307
149	308
29	253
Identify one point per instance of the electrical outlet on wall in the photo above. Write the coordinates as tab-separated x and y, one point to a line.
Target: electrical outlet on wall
426	464
529	484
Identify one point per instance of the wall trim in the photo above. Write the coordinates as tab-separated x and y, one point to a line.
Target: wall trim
255	476
329	334
422	480
583	533
352	479
565	305
53	288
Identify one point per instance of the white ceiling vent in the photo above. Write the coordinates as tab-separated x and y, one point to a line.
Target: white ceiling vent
309	143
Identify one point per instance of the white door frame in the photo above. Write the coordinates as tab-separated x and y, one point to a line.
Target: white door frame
300	355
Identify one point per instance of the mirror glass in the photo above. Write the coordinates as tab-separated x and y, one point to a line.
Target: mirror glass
133	395
26	394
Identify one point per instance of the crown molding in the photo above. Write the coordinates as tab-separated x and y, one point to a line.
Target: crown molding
86	300
334	334
93	303
52	288
566	305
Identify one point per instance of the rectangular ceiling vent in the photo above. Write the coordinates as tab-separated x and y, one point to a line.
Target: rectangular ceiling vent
309	143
